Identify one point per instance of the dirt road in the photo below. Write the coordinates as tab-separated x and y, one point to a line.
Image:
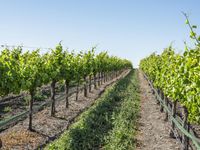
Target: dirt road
153	131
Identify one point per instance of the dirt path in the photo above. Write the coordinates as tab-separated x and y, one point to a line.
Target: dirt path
153	130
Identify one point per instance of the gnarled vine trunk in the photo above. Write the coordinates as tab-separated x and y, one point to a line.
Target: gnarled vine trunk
174	115
166	103
53	92
31	111
99	79
66	93
77	90
90	83
85	87
95	82
185	139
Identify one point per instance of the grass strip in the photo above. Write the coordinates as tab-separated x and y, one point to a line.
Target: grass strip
121	137
96	126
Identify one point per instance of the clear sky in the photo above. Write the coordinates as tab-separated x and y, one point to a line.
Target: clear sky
130	29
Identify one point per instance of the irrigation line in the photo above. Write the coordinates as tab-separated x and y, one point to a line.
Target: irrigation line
195	140
22	115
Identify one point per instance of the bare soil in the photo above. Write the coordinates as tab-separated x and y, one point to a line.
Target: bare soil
153	132
17	104
48	128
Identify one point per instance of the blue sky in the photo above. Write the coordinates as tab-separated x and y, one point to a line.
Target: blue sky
130	29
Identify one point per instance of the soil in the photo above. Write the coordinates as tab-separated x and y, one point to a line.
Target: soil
48	128
153	131
17	104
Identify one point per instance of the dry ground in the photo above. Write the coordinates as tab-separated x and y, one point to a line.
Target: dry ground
153	131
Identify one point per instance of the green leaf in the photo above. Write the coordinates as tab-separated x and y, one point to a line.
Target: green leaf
186	21
199	38
192	34
194	26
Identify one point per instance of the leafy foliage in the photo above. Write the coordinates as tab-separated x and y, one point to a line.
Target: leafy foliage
32	69
10	66
178	76
29	70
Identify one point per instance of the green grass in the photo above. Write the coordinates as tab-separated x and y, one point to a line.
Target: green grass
121	137
109	124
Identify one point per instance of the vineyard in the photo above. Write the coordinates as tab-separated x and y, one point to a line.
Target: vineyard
175	80
68	100
113	82
35	79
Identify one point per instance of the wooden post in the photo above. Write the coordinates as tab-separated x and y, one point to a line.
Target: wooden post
90	83
166	112
185	139
85	87
157	96
173	115
53	83
66	93
31	111
77	90
95	82
99	78
161	103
